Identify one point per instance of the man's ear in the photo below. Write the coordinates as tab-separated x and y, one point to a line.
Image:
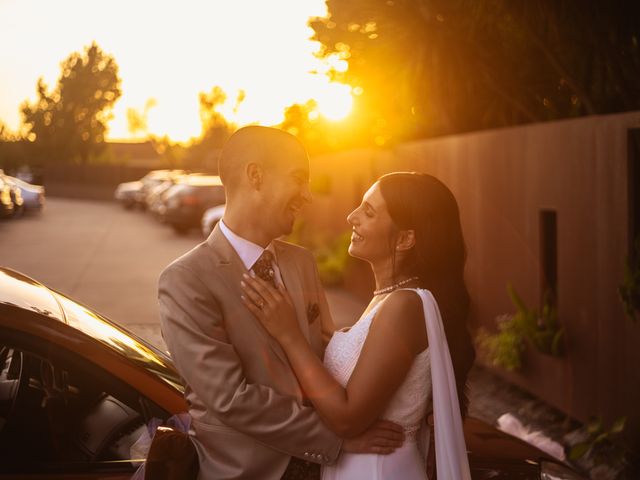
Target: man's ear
405	240
254	174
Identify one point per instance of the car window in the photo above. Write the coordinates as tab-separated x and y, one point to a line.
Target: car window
60	413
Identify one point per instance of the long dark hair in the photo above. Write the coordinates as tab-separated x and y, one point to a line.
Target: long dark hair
422	203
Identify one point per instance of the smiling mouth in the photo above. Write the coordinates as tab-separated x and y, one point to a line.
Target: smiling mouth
355	237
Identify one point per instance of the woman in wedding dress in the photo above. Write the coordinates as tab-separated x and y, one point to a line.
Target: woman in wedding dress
410	351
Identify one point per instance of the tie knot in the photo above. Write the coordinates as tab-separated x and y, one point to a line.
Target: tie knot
263	267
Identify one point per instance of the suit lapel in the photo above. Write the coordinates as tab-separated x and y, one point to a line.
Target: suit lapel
292	282
231	268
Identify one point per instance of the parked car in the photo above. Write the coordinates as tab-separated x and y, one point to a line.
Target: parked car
15	193
152	180
210	218
156	198
132	194
77	390
6	202
33	196
187	200
126	193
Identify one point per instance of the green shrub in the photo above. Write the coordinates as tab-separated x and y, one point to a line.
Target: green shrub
527	326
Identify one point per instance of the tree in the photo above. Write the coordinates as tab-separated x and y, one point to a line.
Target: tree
216	129
70	122
433	67
138	121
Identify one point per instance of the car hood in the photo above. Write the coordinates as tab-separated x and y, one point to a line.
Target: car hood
18	290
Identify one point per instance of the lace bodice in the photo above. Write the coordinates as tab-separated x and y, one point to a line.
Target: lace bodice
409	404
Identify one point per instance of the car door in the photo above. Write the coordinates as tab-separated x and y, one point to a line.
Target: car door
63	416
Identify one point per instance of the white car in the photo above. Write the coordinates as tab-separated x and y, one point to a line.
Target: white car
210	217
32	195
126	193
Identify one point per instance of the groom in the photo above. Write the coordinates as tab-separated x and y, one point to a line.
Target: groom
250	418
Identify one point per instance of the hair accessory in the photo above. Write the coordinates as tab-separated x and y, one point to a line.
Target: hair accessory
391	288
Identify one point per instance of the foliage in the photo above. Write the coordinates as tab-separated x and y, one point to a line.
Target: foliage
598	444
629	291
138	120
540	329
70	122
317	133
216	129
332	259
331	254
420	68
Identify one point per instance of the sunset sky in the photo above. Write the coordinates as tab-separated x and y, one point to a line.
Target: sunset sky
171	51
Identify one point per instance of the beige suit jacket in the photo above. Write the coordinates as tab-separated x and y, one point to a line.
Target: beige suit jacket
248	410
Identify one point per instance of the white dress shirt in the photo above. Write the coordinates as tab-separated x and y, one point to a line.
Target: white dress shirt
249	252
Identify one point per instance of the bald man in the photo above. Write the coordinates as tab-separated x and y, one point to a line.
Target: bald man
250	417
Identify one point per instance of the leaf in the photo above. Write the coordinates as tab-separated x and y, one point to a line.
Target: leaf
515	299
618	425
579	450
594	426
601	438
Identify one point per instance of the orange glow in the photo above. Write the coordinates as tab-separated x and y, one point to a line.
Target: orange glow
171	52
335	101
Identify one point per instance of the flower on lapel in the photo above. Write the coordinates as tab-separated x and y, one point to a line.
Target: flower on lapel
313	310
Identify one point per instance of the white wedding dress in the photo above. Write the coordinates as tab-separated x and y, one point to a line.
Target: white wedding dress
408	407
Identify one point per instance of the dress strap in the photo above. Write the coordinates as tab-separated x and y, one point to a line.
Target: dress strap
452	462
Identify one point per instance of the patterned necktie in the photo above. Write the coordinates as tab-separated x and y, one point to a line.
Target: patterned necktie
263	268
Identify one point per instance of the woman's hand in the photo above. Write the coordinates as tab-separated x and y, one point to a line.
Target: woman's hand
273	307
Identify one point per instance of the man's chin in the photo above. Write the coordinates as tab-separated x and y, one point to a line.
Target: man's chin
286	227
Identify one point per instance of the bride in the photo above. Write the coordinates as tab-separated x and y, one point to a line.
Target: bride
394	362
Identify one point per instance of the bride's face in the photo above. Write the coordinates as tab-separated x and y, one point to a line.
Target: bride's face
372	227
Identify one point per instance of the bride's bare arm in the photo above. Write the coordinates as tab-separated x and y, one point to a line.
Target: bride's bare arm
397	334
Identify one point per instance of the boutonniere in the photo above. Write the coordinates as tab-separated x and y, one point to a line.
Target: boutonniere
313	310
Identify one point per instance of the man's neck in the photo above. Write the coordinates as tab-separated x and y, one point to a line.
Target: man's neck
247	228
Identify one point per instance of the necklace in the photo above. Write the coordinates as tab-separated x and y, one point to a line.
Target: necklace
391	288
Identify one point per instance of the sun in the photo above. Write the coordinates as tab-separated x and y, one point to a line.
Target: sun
334	101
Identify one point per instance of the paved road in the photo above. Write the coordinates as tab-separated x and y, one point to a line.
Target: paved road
108	258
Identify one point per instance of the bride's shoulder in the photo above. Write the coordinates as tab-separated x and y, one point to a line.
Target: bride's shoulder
402	314
404	302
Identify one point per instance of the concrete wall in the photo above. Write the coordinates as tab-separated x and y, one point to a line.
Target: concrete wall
502	180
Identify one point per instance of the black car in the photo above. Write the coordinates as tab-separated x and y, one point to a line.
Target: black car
186	201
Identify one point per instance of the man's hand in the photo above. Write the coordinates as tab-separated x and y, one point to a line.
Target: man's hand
383	437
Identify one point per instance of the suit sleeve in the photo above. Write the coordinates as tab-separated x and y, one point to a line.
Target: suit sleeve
193	329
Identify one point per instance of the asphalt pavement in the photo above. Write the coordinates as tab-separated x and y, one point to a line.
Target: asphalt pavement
110	259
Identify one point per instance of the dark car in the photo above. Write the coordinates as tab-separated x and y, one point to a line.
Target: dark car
76	391
186	201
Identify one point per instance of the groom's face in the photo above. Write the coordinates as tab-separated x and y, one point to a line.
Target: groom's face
285	190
